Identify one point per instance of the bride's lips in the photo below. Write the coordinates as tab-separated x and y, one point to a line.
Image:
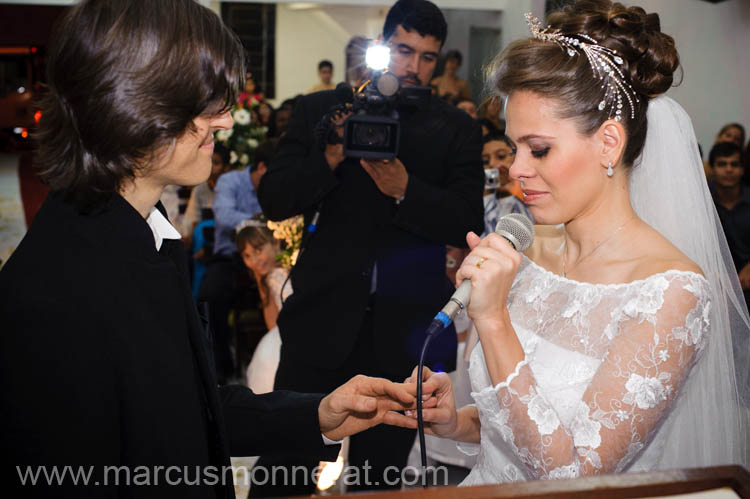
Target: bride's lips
529	195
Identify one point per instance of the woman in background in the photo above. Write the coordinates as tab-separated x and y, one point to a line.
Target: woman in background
259	251
732	132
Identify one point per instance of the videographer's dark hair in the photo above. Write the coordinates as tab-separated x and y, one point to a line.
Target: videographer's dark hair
724	150
420	15
325	63
455	55
265	153
126	79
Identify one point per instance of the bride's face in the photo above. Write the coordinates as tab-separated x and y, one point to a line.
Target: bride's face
558	168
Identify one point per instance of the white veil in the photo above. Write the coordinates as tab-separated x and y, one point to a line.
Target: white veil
668	189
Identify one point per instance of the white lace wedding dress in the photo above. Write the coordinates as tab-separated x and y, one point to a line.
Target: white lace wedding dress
602	368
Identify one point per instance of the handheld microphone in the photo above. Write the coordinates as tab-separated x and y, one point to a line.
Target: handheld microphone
518	230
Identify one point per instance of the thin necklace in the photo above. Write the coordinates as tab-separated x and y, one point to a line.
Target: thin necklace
565	274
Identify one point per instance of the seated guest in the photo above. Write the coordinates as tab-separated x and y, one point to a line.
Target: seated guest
732	201
199	217
501	195
235	200
267	117
104	358
200	204
468	106
259	250
235	197
449	86
250	94
490	110
732	132
283	114
488	126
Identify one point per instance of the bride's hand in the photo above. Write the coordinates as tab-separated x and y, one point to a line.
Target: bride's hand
439	412
492	266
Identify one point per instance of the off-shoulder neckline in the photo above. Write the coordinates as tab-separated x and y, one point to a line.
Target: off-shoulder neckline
613	285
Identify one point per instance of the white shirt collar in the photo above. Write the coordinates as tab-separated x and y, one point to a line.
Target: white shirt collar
161	228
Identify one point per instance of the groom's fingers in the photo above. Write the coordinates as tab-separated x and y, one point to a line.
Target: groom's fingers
353	403
400	392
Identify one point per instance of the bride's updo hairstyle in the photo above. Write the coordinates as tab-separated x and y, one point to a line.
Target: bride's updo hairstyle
543	67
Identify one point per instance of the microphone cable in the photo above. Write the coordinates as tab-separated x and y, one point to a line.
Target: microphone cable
438	324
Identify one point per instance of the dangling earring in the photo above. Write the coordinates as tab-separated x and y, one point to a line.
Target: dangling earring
610	171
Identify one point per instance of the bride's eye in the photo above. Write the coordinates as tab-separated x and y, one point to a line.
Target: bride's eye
540	153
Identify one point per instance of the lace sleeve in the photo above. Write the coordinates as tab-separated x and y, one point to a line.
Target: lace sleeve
275	281
656	345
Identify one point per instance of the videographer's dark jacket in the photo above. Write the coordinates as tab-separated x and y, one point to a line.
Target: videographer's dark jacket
359	225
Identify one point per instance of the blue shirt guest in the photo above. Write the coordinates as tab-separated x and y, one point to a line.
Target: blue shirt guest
103	353
235	200
222	285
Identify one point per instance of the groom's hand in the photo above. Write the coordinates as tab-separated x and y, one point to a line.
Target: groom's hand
361	403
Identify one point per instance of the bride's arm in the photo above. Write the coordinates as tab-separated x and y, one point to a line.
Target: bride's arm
631	393
440	415
467	429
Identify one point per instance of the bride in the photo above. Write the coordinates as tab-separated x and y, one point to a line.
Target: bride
620	343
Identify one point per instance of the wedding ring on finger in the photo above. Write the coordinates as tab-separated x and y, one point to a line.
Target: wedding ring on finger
481	261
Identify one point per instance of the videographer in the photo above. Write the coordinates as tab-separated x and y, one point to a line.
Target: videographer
372	273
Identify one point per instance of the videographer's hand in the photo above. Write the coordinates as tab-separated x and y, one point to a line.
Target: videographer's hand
389	175
334	153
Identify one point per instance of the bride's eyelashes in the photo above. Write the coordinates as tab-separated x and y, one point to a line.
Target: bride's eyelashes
540	153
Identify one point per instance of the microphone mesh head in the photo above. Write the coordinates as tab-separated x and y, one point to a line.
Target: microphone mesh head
519	228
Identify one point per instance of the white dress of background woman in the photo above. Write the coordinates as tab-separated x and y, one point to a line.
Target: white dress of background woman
261	371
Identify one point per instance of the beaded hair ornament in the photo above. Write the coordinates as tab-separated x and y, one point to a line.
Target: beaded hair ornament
604	63
249	223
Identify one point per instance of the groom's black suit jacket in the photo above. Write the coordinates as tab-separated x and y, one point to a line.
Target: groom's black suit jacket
361	229
103	362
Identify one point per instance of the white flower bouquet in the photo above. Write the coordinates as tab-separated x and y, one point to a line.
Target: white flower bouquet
290	232
243	138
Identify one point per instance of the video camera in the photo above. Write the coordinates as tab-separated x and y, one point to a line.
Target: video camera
373	130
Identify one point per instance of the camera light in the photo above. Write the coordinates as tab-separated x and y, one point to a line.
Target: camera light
378	57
